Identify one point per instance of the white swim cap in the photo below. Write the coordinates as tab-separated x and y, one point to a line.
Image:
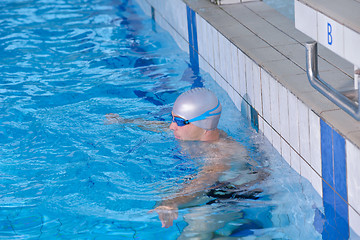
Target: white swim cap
200	106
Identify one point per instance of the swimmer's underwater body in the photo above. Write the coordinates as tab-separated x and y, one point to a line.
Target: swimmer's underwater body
195	117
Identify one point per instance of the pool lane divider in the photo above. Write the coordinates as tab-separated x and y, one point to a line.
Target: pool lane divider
333	157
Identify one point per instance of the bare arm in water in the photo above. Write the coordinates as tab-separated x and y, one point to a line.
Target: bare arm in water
204	180
153	126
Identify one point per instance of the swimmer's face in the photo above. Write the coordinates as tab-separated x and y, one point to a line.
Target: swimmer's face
188	132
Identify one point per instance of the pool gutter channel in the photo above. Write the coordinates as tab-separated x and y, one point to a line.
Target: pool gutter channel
271	78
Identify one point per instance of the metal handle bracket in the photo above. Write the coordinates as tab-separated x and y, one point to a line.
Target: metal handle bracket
324	88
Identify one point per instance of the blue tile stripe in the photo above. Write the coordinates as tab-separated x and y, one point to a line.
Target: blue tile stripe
333	157
193	44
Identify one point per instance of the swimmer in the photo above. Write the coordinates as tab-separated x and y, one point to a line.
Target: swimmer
195	117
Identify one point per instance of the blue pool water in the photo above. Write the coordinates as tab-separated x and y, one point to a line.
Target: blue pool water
64	174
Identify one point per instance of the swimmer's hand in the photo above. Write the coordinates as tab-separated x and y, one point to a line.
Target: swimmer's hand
153	126
167	214
113	118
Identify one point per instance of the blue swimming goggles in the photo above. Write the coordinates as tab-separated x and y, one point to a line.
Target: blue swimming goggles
182	122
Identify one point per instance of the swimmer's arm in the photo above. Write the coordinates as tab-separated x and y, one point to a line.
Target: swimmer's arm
154	126
168	208
205	179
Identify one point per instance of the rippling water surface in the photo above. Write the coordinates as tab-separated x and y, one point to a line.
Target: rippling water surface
64	174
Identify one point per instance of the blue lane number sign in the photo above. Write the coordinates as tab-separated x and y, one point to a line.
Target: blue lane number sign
329	34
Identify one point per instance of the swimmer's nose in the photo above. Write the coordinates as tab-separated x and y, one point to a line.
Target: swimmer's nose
173	126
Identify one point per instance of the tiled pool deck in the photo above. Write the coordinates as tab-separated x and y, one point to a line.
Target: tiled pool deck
258	57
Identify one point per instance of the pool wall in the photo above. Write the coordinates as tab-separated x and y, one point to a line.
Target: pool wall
258	57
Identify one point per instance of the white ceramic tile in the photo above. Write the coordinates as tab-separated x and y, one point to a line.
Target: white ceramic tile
203	64
229	1
276	141
353	176
261	124
293	121
200	34
217	60
351	46
354	220
207	42
178	17
212	73
316	182
231	93
228	60
237	100
214	46
295	161
285	151
222	56
245	108
306	170
274	102
257	88
331	34
305	19
284	112
267	131
265	80
235	67
315	142
249	80
220	81
242	78
226	86
304	132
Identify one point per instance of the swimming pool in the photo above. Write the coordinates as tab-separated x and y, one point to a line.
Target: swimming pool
65	174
